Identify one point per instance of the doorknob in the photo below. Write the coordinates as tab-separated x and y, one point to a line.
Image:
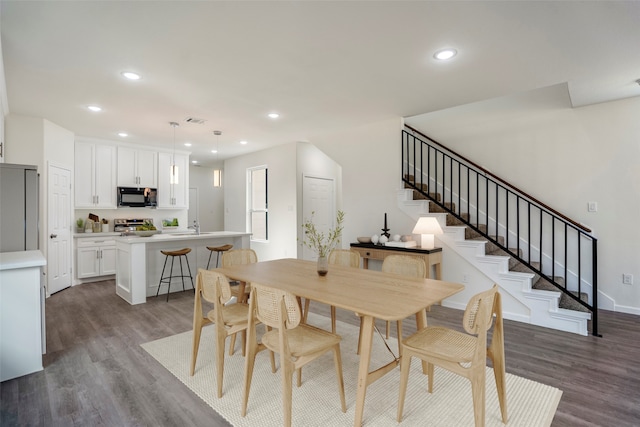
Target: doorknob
53	236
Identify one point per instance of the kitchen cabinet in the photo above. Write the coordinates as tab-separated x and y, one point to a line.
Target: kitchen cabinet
95	257
173	196
95	176
137	168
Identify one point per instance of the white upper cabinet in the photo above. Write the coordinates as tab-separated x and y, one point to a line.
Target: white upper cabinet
95	176
137	168
174	196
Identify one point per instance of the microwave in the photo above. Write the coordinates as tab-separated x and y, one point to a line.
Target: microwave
131	197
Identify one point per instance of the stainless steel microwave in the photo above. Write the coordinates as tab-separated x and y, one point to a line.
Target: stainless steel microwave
132	197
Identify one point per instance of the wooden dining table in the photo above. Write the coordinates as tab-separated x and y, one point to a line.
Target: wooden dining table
371	294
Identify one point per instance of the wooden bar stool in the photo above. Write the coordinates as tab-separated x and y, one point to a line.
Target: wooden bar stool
217	249
173	254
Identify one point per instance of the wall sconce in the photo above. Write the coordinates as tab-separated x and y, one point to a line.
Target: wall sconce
427	226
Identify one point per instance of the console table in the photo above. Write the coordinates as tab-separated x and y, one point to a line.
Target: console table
431	257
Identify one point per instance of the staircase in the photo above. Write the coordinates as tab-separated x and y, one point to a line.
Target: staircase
542	263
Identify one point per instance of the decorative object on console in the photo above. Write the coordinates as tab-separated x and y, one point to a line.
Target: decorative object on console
320	243
385	229
364	239
383	239
427	226
375	239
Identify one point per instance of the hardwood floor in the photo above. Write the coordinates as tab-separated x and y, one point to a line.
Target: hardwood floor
96	373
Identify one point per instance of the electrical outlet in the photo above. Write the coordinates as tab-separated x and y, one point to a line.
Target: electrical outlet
465	278
627	279
593	207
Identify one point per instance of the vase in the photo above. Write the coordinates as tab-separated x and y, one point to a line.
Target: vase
323	265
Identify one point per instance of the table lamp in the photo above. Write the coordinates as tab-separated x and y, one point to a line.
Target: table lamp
427	226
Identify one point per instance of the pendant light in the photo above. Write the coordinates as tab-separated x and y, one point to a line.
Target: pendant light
173	173
217	173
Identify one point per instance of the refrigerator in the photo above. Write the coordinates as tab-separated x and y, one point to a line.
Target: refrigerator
18	207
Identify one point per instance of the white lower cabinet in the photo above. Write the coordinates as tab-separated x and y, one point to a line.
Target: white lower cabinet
95	257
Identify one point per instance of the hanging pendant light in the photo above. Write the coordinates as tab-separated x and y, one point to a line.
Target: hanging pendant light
217	173
173	173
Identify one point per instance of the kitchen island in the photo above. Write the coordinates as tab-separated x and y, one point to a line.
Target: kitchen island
139	261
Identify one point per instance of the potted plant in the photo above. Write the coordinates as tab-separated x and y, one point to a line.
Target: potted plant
320	243
80	225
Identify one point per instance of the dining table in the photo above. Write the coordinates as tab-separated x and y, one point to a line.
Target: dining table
369	293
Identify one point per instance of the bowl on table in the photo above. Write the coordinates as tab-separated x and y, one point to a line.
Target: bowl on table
364	239
146	233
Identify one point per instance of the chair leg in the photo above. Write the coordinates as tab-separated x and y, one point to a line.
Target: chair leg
197	330
477	393
305	312
399	332
220	339
405	366
501	385
211	253
170	278
232	345
189	269
181	273
162	274
359	336
388	329
338	362
287	378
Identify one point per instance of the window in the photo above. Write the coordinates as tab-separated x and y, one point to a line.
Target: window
258	204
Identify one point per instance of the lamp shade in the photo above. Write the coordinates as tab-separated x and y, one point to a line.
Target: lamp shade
427	226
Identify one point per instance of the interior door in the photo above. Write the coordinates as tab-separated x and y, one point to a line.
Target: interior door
59	228
318	198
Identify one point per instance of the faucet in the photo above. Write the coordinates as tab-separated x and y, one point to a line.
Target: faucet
195	226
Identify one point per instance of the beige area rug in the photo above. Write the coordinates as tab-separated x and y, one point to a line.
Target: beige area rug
316	402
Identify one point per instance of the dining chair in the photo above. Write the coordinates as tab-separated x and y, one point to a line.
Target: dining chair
230	319
404	265
344	257
296	343
238	257
462	353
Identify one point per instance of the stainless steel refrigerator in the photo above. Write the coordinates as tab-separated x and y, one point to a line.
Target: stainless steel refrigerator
18	207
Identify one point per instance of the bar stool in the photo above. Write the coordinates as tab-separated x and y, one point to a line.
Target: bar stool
217	249
179	253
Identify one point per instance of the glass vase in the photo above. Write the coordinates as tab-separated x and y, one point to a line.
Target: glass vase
323	265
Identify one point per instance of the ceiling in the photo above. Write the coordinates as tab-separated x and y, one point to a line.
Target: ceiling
323	66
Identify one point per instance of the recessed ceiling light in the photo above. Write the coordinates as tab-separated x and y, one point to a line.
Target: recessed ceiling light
274	115
94	108
214	151
194	161
243	142
187	144
444	54
123	134
131	76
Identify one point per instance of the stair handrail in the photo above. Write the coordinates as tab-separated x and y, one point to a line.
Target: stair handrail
533	199
593	307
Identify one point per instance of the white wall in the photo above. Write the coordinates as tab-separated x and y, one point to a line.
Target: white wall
36	141
210	199
565	158
370	159
281	164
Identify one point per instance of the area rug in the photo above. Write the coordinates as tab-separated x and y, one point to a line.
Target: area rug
317	403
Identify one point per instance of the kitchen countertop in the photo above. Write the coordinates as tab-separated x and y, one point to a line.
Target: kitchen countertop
186	235
22	259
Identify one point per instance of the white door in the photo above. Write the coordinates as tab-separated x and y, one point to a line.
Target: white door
59	227
318	198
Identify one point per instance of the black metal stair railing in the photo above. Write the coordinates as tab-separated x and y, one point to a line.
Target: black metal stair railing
550	244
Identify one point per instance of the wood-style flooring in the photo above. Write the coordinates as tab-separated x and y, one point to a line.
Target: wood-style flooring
96	373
